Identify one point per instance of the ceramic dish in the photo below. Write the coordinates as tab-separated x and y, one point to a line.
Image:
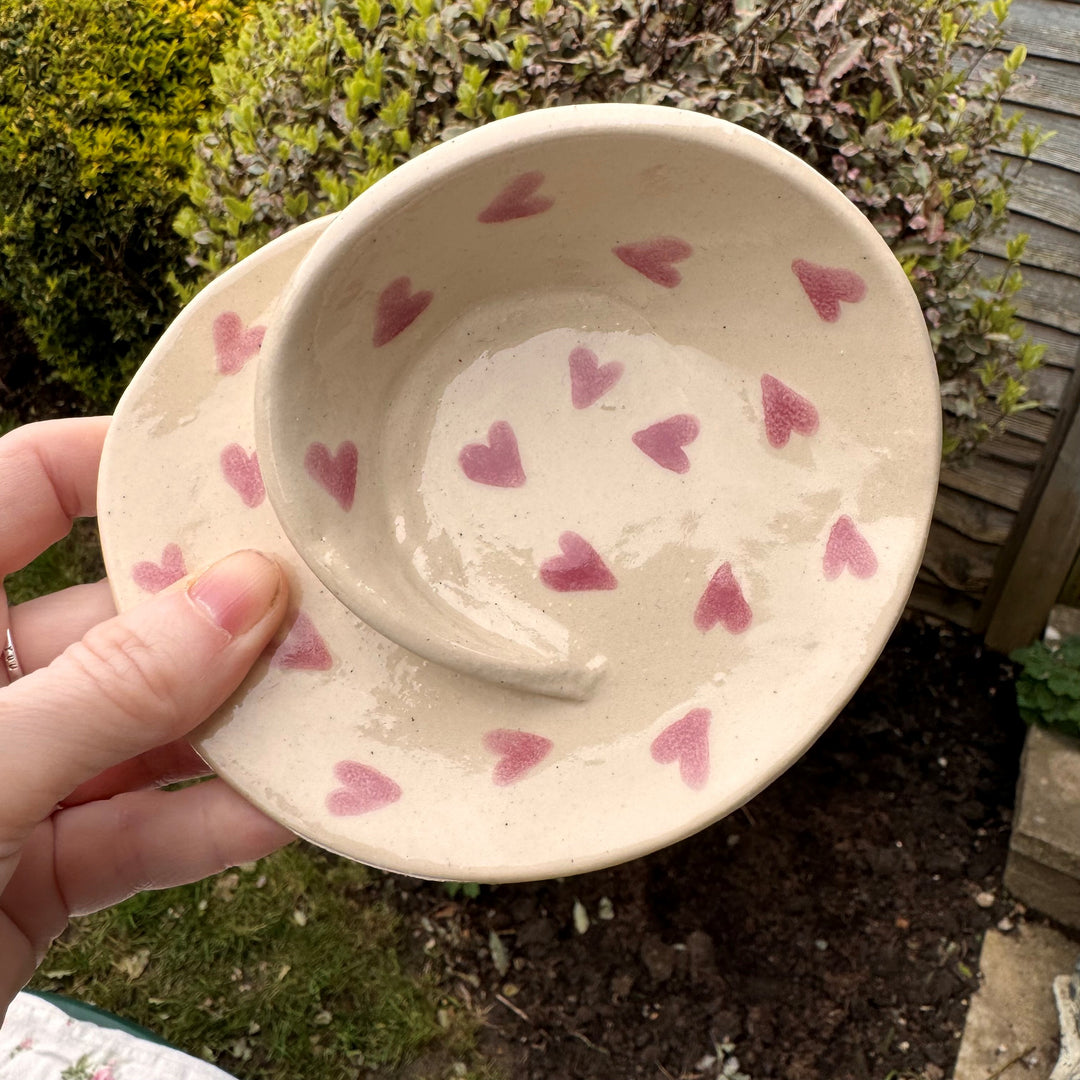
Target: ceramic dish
600	445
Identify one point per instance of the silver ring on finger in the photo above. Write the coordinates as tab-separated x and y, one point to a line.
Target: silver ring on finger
11	660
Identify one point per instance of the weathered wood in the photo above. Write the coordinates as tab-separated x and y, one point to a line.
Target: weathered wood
973	517
987	478
1050	247
1048	28
959	562
1046	386
933	599
1063	149
1035	563
1070	591
1047	297
1014	449
1047	84
1048	192
1061	346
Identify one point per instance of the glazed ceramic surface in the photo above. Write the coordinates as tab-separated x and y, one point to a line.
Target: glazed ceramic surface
600	445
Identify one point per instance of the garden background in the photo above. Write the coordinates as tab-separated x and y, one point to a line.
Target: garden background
147	146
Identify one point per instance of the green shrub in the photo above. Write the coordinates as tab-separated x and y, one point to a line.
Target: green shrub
318	100
99	100
1048	686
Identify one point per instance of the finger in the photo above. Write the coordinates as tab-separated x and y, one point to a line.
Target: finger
43	628
48	477
139	680
163	765
107	851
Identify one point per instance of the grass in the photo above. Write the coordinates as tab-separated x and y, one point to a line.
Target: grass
289	967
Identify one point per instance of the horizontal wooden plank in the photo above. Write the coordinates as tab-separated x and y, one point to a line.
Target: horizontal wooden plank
1046	386
973	517
1048	192
1013	449
1049	298
1062	348
987	478
1063	149
1050	247
958	561
930	598
1047	84
1048	28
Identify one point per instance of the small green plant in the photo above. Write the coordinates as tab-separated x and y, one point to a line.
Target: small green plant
470	890
1048	686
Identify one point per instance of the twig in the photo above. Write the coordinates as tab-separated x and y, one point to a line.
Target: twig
513	1008
1009	1064
589	1043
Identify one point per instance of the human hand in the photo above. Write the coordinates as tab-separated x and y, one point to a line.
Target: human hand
100	718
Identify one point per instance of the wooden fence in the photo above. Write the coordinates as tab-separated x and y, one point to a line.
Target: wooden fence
1005	540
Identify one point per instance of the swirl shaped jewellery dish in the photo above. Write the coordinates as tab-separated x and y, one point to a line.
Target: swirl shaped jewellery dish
599	445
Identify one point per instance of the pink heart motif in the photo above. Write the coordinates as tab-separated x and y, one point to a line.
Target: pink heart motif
785	412
589	381
153	577
365	789
303	648
241	472
235	344
653	258
519	752
723	602
517	200
496	463
396	310
335	472
826	286
687	742
578	569
847	546
664	441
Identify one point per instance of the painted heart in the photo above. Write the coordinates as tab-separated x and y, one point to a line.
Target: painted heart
519	751
578	569
653	258
241	472
234	343
847	546
589	380
723	602
687	742
664	441
785	412
335	472
303	648
365	789
826	286
155	576
396	310
517	200
497	462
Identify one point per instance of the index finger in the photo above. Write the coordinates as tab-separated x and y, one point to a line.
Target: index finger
48	477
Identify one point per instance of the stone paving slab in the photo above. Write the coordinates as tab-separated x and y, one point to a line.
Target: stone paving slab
1043	869
1012	1030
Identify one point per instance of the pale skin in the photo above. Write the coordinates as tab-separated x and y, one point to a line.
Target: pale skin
100	721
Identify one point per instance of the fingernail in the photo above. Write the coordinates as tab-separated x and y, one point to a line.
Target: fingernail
237	591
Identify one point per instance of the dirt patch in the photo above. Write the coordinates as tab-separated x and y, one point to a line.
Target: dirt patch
828	931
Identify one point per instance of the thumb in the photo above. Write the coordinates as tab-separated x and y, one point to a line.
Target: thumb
133	682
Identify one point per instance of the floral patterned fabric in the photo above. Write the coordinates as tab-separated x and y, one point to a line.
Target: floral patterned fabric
39	1042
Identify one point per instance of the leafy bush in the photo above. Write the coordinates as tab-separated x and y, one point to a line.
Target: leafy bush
99	100
899	106
1048	686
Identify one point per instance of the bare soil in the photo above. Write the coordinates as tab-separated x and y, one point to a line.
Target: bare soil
828	931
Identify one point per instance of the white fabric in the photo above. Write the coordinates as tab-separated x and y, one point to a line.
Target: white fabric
39	1042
